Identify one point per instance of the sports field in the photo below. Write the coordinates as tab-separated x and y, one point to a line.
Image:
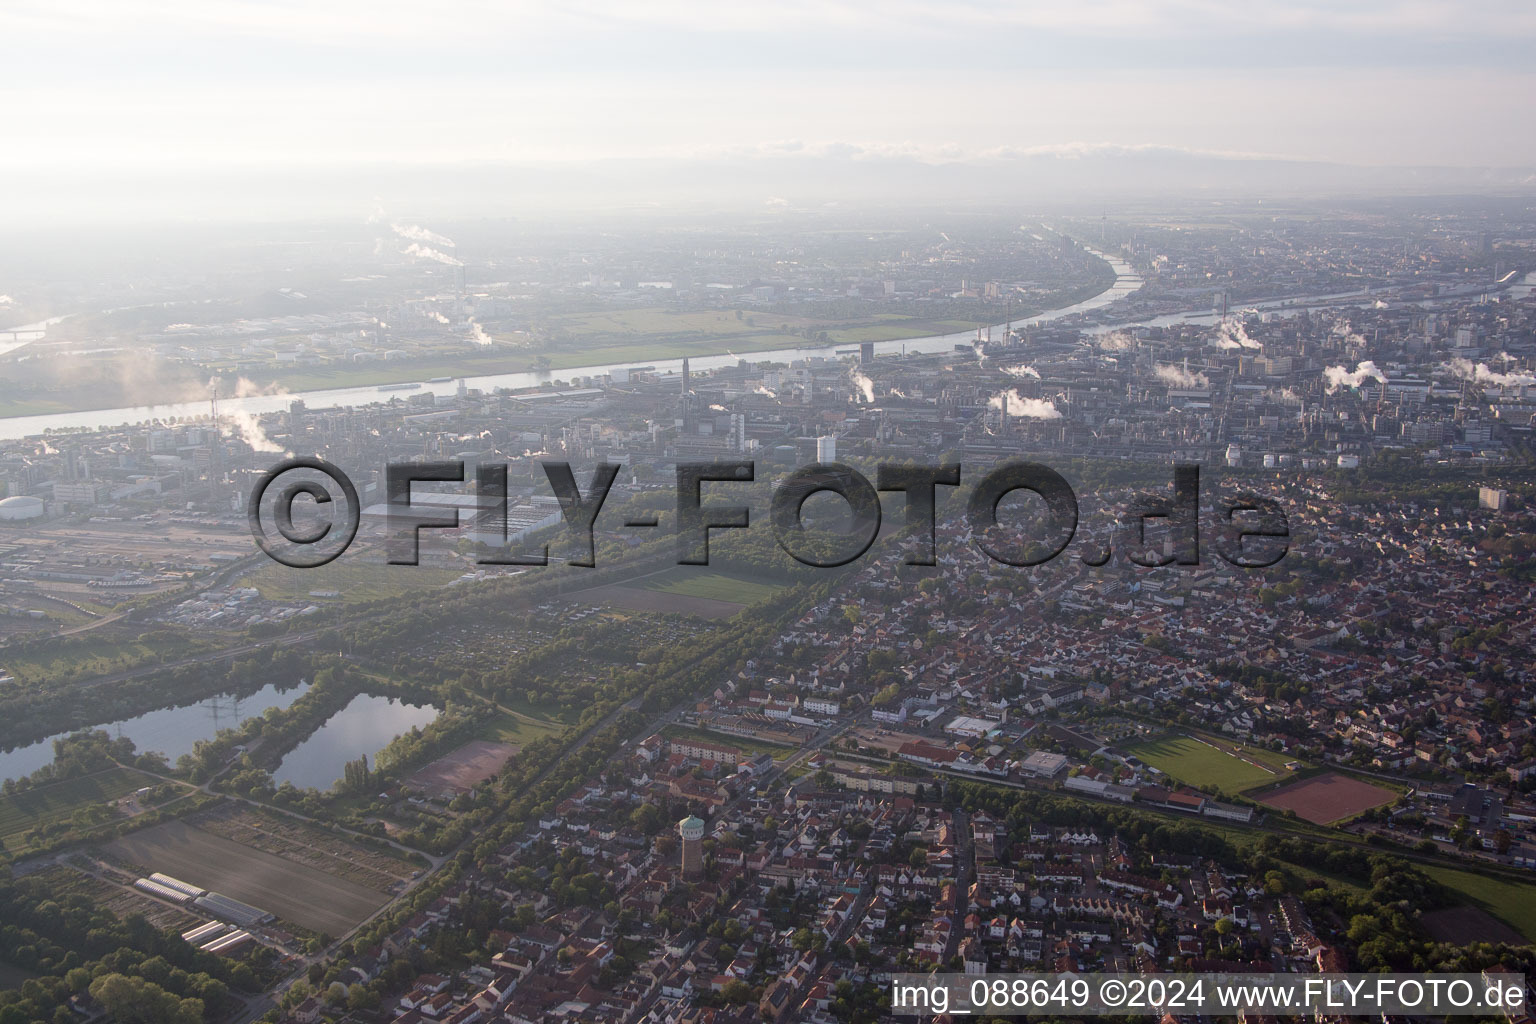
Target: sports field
351	582
1201	765
461	770
297	893
1326	798
711	586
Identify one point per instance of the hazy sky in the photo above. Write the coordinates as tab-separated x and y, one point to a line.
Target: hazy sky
155	108
1365	81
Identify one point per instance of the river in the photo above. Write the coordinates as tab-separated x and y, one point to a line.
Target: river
1126	282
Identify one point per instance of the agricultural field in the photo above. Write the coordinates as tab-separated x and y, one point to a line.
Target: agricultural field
620	598
299	894
353	580
1466	925
1199	764
295	840
1510	902
58	801
1327	798
896	328
683	591
121	900
711	586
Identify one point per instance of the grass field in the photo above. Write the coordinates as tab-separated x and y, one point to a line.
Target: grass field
1198	764
1269	758
22	812
354	581
297	893
515	728
712	586
1510	902
84	657
745	744
554	715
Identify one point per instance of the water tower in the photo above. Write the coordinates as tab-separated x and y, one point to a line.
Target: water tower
691	829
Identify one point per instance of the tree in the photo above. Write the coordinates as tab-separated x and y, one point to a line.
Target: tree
132	1000
361	997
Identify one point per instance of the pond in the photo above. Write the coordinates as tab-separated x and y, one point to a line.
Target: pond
171	731
365	726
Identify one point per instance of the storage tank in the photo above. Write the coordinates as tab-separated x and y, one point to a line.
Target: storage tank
22	506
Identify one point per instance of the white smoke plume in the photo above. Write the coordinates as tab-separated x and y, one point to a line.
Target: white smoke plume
1232	334
1024	408
420	234
1338	377
898	393
1116	341
1178	377
765	391
246	423
1022	371
864	384
247	388
716	407
478	333
423	252
249	428
1481	374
